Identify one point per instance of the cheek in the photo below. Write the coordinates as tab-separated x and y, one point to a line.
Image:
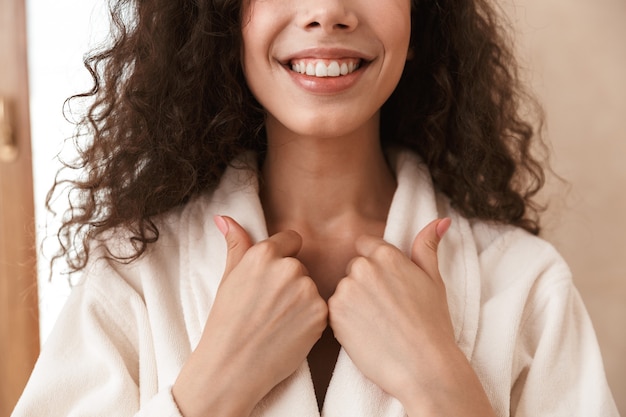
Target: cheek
252	60
400	32
262	25
394	21
250	46
397	43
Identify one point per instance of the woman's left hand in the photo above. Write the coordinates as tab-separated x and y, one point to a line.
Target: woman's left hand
390	313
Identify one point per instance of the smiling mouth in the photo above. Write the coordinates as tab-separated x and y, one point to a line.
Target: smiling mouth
325	67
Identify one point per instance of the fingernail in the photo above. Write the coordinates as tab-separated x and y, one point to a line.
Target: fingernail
443	226
221	224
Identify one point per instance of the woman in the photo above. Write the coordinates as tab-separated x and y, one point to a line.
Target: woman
333	143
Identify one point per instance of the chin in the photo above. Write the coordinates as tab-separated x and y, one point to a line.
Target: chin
325	130
331	124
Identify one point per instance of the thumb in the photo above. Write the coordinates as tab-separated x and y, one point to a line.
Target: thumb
424	251
237	241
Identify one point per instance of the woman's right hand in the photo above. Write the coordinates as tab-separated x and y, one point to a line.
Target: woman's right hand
266	317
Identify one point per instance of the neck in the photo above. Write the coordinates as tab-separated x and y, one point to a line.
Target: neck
320	186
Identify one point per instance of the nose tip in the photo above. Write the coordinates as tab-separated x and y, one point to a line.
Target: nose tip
330	18
328	27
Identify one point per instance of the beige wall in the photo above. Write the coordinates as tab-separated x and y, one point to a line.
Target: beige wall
575	51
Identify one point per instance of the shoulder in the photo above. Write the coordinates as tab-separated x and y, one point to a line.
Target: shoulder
110	258
504	243
513	261
188	247
500	254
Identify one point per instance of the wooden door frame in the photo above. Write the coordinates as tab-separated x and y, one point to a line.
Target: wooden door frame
19	324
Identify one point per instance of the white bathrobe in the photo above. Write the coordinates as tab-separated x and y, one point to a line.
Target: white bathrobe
126	331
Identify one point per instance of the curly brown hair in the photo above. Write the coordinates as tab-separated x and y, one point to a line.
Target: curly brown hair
170	109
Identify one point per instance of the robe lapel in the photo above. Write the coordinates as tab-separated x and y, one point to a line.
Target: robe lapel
204	260
237	196
294	397
415	204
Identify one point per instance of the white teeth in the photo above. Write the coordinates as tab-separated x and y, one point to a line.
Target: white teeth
333	69
321	69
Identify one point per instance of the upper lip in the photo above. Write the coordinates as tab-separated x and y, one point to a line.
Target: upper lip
326	53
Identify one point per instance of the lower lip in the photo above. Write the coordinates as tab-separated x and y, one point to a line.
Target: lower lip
326	85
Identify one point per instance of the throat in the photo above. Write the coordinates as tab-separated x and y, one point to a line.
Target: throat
322	359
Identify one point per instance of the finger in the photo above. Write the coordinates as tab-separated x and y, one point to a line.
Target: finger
348	269
366	245
425	245
285	244
237	241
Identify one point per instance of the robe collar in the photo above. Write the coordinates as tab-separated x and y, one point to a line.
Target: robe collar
414	205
